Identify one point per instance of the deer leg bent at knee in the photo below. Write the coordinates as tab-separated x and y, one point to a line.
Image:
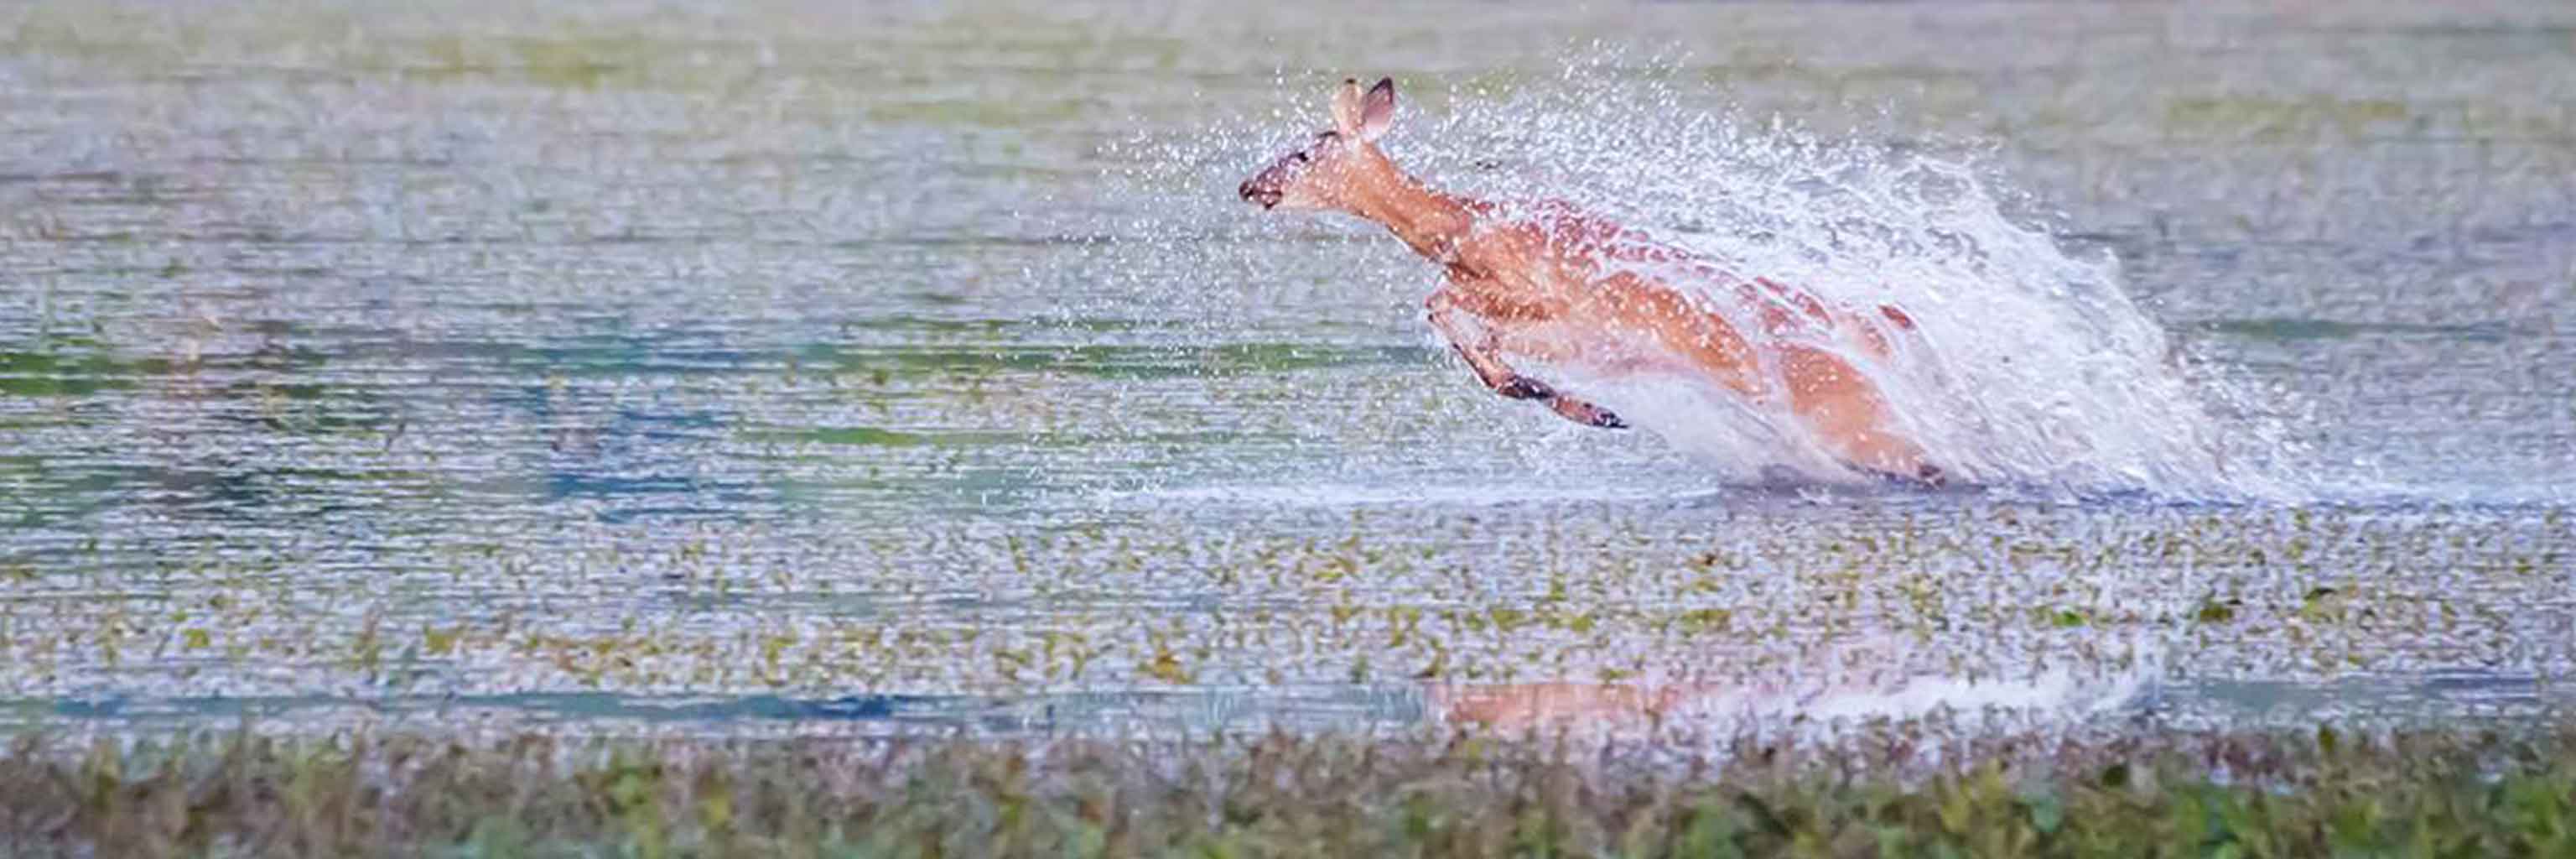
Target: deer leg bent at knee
1478	349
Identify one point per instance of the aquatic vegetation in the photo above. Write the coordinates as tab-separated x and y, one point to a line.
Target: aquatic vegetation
2182	600
882	410
2318	792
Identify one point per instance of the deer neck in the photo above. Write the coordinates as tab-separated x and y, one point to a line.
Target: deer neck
1434	224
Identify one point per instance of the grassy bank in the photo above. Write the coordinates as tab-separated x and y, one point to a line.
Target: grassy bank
2426	793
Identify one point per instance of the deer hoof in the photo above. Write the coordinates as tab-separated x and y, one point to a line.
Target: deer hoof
1587	414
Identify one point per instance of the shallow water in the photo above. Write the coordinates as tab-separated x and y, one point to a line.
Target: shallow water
917	367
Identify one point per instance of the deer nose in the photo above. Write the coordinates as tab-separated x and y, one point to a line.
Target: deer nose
1253	191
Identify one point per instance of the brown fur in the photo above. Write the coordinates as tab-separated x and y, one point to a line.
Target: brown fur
1538	283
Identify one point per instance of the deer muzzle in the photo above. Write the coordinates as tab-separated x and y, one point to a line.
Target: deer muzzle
1270	186
1255	190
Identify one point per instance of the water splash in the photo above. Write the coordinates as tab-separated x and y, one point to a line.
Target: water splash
2031	366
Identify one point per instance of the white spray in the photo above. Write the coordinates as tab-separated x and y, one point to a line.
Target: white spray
2030	366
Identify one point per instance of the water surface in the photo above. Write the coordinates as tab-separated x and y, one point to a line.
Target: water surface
916	367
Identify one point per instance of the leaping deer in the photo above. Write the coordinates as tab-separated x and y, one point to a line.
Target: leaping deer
1550	283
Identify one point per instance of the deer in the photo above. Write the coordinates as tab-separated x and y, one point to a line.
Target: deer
1545	281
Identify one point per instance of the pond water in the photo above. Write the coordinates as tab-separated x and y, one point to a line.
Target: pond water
908	367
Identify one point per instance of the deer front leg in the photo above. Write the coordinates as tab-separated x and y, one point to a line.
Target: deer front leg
1476	345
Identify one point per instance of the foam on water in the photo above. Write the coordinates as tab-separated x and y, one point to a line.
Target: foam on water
2031	366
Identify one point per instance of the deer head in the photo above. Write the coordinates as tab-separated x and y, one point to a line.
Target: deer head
1329	172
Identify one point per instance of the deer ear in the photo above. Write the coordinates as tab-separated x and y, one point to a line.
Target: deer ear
1377	109
1346	108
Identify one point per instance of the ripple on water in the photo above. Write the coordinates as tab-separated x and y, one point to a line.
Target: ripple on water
721	367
